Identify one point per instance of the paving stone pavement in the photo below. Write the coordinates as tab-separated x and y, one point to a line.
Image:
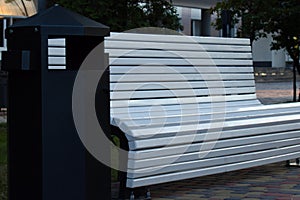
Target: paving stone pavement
275	92
270	182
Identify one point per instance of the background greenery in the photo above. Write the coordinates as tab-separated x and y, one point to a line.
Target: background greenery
258	18
3	162
122	15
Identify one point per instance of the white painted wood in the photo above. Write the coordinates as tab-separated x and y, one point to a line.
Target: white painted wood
55	51
120	86
204	152
186	100
141	112
178	62
197	162
53	67
148	53
177	77
177	38
175	46
193	136
57	61
165	119
150	180
168	91
173	70
57	42
164	150
148	132
180	93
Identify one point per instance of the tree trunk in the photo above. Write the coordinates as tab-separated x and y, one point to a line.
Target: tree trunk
296	68
294	82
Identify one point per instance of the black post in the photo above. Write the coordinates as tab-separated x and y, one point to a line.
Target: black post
41	5
294	82
47	159
226	23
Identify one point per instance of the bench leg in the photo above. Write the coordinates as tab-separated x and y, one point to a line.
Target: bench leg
148	194
123	192
293	164
136	193
131	195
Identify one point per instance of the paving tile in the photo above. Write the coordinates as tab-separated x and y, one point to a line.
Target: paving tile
270	182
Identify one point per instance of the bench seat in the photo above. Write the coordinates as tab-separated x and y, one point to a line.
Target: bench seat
188	108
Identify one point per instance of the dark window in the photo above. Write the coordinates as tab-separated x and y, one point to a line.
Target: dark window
2	32
196	27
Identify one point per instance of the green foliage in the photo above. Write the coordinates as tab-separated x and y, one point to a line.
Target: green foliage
251	13
3	162
280	18
3	144
283	23
122	15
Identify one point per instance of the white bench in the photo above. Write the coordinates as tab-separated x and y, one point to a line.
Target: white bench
188	108
191	110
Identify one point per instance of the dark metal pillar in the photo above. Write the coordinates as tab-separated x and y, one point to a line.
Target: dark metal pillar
41	5
226	23
47	159
205	22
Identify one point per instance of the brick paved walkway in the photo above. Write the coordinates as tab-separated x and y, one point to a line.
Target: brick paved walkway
275	92
273	181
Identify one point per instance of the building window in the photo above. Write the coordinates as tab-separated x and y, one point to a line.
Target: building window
196	27
2	28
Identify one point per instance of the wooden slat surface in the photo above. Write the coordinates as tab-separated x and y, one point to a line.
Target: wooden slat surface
188	107
262	148
56	54
120	86
176	46
167	92
165	151
180	69
179	93
176	39
162	119
178	62
55	51
58	42
185	100
150	180
148	53
140	112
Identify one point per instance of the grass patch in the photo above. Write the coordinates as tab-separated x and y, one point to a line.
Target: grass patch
3	162
115	160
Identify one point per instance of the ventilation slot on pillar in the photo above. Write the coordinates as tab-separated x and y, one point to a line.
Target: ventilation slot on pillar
57	53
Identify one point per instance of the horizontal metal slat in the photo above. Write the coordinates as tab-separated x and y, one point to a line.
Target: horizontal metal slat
185	100
176	38
132	183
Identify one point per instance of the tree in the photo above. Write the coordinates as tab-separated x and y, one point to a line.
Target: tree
283	23
22	8
250	12
121	15
280	18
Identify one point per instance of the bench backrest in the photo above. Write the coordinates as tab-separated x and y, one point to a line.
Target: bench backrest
174	72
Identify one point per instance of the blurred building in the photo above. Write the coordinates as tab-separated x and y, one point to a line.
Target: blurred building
10	12
196	18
